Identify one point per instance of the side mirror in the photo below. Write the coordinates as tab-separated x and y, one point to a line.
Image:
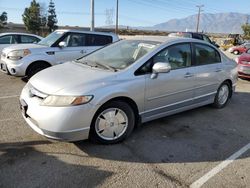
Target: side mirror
160	68
62	44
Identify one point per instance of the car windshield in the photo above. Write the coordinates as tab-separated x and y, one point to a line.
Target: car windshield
119	55
51	38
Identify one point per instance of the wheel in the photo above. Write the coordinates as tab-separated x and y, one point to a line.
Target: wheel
222	96
236	52
35	68
112	123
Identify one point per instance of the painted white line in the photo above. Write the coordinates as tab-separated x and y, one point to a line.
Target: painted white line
219	167
10	96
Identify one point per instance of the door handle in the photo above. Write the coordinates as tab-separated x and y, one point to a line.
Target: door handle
83	51
188	75
218	70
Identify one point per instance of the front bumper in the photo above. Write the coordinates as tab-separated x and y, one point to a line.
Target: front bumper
3	67
61	123
244	71
15	68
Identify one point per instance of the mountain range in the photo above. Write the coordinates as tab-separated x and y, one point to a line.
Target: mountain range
212	23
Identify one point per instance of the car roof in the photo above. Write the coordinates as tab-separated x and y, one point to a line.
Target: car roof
88	32
16	33
166	39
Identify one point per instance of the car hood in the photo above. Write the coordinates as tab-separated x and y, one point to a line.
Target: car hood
70	79
22	46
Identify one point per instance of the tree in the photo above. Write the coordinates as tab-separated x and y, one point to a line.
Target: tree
32	17
3	19
52	20
246	30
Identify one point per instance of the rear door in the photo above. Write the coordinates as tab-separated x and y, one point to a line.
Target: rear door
208	71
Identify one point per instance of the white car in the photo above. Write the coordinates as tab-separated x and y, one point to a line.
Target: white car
10	39
58	47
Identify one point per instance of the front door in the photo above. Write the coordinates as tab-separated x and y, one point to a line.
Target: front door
174	90
74	49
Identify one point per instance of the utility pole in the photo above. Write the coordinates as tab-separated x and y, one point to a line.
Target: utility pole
198	18
116	22
92	11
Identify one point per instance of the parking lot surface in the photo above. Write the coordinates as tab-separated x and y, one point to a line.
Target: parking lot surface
174	151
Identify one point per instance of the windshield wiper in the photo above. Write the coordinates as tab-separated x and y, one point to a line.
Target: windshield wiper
96	64
106	66
83	62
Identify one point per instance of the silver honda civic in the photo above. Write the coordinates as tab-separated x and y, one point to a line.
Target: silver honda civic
104	95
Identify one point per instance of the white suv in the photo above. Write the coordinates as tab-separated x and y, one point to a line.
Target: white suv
58	47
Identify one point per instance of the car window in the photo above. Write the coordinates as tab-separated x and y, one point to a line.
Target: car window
247	45
197	36
98	40
180	34
206	55
28	39
205	38
120	55
75	40
179	56
7	40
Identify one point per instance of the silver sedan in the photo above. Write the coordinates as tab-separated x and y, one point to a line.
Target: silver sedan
104	95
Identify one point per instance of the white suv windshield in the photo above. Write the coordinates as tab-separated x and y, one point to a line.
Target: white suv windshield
51	38
119	55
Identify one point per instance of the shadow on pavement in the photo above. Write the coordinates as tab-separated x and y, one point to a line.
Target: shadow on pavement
199	135
23	166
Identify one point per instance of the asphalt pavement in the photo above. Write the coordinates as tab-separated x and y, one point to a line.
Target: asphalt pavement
175	151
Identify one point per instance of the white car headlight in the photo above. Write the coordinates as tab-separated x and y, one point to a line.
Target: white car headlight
18	54
66	100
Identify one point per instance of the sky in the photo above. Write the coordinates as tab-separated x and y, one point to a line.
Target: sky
131	12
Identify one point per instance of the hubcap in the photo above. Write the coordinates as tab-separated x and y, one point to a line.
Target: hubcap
223	94
111	124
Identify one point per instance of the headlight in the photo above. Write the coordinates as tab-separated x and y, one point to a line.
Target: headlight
245	62
66	100
18	54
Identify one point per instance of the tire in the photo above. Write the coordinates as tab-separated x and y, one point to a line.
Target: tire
35	68
112	123
221	99
236	52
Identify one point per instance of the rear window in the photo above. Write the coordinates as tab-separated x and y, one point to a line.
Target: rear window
197	36
98	40
28	39
206	55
